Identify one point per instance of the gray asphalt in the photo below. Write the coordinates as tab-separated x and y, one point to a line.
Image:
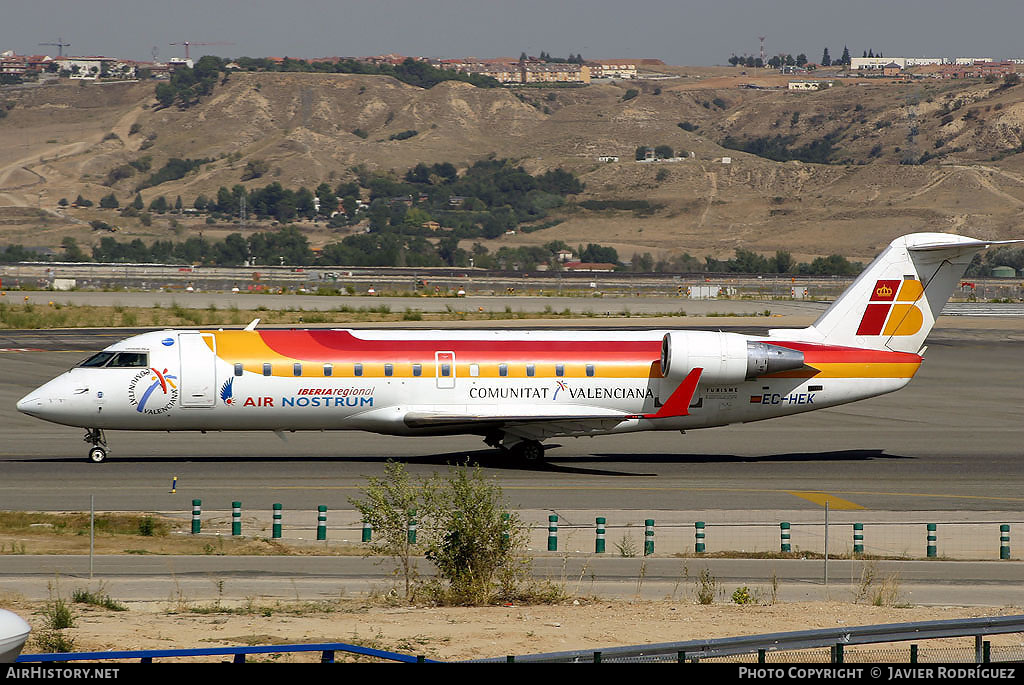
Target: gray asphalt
214	578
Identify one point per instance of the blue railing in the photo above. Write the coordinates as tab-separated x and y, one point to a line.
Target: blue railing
238	654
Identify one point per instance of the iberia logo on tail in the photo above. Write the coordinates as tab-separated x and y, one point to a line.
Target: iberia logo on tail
891	310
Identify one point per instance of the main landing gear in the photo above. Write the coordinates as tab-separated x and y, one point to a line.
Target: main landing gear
526	450
98	452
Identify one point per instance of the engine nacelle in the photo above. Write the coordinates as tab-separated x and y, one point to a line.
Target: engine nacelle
725	357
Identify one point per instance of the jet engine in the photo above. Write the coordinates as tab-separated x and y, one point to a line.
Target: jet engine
725	357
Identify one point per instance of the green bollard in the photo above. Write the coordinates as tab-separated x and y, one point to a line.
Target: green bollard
931	540
858	538
276	530
599	542
236	518
784	533
553	533
1004	541
699	546
197	524
648	537
321	522
412	526
367	531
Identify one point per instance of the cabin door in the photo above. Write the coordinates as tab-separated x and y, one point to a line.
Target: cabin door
198	375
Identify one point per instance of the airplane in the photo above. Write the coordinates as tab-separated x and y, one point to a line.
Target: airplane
516	389
14	631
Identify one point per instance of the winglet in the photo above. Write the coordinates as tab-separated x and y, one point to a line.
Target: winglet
678	403
252	325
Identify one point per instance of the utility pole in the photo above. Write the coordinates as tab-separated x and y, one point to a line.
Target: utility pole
60	45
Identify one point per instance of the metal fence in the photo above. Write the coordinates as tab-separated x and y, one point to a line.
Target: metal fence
238	655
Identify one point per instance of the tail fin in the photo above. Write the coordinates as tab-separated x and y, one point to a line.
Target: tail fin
894	302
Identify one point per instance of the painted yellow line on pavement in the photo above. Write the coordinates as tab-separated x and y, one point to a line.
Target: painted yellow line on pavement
821	498
834	502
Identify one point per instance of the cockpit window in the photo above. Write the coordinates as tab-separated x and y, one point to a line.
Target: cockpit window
98	359
129	360
120	360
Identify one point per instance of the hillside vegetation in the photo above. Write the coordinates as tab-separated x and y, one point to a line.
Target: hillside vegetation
842	170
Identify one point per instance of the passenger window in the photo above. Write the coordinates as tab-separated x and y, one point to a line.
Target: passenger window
559	369
328	370
502	369
446	370
238	368
590	369
357	370
266	369
530	370
474	370
296	369
389	369
130	360
417	369
98	359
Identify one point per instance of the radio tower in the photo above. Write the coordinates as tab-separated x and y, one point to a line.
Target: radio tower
764	62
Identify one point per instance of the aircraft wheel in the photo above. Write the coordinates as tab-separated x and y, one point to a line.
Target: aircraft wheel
530	450
97	455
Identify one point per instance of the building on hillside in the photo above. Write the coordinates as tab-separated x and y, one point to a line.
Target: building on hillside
892	69
616	68
535	71
94	68
978	70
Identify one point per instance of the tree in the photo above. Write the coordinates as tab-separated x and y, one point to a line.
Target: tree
109	202
845	59
72	252
474	539
826	61
388	504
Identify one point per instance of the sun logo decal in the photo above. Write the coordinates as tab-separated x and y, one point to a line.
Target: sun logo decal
149	400
226	391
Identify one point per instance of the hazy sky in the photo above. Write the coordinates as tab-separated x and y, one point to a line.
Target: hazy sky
677	31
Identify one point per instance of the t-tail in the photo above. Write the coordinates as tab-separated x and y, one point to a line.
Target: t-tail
894	302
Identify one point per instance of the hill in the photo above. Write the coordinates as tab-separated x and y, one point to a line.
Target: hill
839	170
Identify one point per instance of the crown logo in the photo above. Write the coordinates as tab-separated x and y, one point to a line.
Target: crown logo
884	291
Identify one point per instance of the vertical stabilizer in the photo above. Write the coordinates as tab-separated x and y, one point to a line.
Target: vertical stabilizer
894	302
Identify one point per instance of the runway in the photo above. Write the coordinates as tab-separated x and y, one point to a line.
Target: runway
951	441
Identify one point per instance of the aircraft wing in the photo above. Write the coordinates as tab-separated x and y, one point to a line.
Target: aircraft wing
677	405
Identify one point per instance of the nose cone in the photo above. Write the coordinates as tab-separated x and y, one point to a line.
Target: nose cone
31	404
13	633
53	401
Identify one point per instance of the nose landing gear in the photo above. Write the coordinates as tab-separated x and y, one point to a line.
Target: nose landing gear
98	452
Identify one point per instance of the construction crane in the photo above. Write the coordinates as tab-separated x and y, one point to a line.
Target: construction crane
188	43
60	45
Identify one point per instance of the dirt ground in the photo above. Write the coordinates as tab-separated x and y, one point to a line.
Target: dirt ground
452	634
